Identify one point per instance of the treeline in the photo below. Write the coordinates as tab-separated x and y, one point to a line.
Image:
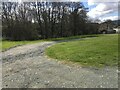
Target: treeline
42	20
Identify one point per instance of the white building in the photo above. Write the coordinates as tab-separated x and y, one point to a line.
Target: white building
117	30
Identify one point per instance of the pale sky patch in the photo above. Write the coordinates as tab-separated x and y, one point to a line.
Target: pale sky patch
103	9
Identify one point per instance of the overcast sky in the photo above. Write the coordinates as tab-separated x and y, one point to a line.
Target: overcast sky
102	10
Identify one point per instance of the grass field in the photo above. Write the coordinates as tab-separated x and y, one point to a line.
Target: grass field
6	44
98	51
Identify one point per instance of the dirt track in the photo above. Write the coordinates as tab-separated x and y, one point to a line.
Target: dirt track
27	67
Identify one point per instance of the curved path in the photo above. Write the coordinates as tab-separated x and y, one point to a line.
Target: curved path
27	67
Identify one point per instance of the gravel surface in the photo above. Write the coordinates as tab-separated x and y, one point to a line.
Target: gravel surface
27	67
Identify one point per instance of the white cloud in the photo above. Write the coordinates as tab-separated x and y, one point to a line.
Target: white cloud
110	17
103	9
92	2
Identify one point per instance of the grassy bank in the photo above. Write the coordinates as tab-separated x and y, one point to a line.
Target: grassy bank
6	44
98	51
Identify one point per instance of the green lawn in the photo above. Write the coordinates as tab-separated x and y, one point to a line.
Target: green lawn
6	44
98	51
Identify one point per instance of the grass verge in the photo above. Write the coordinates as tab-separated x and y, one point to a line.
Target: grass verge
6	44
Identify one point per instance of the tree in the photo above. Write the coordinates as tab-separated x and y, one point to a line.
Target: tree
38	20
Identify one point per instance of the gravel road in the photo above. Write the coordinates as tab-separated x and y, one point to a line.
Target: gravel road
27	67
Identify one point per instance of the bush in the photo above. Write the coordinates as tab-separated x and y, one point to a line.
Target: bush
20	31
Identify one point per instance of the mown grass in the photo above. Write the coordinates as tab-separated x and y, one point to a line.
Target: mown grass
98	51
6	44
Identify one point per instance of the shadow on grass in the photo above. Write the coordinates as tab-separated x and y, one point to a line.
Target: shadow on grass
12	44
72	37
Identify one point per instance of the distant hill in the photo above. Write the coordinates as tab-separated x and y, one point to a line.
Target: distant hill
116	22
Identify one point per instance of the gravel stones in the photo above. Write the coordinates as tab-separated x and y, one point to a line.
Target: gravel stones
27	67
